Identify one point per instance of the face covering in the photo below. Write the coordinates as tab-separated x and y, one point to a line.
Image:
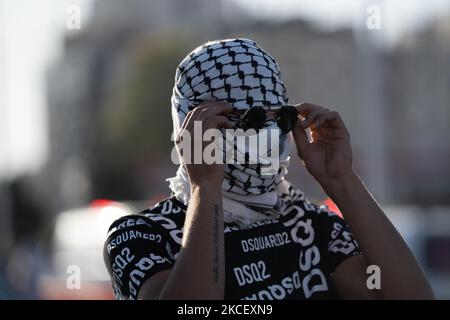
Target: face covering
239	72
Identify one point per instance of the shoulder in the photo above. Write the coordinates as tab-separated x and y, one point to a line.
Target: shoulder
317	219
296	203
324	220
316	224
167	214
142	244
153	227
169	206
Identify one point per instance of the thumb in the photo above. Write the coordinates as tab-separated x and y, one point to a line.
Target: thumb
301	139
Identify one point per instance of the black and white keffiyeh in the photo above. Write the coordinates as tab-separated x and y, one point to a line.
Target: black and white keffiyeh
239	72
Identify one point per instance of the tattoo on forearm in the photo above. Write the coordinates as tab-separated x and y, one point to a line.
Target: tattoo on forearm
216	243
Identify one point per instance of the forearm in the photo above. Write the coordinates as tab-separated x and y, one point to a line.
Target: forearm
380	242
199	270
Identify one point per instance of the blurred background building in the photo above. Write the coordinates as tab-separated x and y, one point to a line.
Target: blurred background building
107	120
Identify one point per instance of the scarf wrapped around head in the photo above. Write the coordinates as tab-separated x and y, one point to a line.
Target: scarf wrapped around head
239	72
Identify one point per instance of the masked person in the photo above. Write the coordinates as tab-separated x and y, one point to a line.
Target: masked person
230	232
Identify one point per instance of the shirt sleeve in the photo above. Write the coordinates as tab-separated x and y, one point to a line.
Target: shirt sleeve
339	242
135	250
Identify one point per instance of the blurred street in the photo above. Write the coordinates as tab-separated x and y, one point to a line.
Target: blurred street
85	121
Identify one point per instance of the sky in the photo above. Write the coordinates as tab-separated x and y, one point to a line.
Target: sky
398	16
31	34
30	38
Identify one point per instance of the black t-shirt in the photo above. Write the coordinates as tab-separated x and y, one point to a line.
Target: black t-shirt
292	257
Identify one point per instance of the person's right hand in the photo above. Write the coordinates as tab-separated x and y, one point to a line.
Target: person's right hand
212	116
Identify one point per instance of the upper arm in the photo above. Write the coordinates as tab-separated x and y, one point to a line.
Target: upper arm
350	279
345	261
151	289
137	251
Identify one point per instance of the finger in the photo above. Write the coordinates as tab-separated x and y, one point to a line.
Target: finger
316	136
301	139
187	119
218	122
182	135
331	119
198	113
192	115
326	133
214	108
313	116
306	108
322	119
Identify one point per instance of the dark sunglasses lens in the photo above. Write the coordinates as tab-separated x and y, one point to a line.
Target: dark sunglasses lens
254	118
287	119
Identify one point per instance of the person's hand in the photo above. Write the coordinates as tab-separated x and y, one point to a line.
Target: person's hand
328	156
212	116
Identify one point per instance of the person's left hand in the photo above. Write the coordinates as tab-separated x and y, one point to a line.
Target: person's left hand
328	156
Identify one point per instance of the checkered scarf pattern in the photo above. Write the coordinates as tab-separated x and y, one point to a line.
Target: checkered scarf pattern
239	72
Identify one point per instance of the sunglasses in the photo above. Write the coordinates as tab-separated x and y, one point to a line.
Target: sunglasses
256	117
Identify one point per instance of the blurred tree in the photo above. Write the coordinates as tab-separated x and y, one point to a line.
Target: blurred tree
136	120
